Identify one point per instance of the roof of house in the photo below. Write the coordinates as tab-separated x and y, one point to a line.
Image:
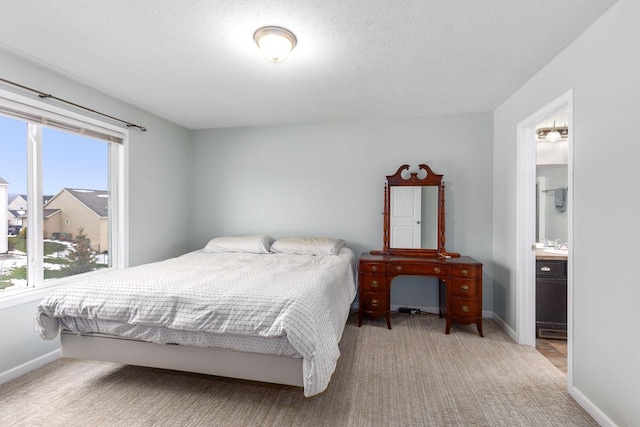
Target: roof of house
23	213
49	212
16	213
12	197
96	200
2	181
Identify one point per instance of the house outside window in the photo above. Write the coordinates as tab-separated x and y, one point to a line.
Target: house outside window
65	173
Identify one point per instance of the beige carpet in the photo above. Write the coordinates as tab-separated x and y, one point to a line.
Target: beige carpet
413	375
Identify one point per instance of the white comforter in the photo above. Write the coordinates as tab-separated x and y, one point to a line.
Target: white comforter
303	297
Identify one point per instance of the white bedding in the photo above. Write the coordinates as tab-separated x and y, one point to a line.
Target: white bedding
303	297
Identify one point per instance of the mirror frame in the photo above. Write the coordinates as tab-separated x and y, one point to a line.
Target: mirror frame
397	180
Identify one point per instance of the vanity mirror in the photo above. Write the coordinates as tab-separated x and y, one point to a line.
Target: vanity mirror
413	214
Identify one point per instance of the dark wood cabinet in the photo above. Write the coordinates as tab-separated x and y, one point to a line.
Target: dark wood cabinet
460	286
551	299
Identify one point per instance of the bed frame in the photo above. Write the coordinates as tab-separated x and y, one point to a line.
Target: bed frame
212	361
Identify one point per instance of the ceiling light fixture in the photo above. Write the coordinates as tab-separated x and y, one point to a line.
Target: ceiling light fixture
276	43
554	133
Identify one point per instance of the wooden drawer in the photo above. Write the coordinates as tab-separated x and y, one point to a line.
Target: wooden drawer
374	283
375	303
419	269
465	288
372	267
465	270
464	307
551	269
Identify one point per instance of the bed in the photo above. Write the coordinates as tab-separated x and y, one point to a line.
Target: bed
251	307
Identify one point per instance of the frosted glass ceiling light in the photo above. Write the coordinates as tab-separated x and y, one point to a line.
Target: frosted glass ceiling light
553	136
276	43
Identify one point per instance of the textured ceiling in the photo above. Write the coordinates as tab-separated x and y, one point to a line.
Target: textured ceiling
194	62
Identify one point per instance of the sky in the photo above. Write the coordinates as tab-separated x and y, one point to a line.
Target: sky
68	160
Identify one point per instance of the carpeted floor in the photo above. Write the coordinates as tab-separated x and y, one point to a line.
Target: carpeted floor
413	375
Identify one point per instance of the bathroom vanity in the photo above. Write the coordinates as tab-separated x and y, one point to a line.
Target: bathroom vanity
551	295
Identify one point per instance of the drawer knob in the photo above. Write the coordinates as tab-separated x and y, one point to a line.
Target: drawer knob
464	288
465	308
399	268
436	270
374	268
374	303
464	272
545	269
374	284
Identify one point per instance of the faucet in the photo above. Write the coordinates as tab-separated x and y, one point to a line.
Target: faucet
551	243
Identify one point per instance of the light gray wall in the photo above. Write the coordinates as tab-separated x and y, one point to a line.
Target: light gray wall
20	344
602	66
328	179
158	181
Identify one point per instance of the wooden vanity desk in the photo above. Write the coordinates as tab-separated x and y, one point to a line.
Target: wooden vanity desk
413	244
460	286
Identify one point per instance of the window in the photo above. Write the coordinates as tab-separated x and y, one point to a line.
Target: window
61	194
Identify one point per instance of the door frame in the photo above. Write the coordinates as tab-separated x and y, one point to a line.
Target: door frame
525	223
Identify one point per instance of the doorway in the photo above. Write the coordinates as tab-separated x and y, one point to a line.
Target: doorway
552	249
527	201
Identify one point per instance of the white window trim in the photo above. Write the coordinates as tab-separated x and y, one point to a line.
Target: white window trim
35	272
119	176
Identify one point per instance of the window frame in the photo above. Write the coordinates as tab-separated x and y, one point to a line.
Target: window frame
118	165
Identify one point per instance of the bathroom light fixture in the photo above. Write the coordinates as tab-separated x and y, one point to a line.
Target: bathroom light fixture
276	43
553	136
554	133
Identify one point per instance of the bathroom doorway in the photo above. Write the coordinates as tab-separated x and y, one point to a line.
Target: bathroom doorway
535	235
552	236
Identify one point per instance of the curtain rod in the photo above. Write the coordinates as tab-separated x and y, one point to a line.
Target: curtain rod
44	95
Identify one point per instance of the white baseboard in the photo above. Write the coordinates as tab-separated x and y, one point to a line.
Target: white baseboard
29	366
597	414
505	327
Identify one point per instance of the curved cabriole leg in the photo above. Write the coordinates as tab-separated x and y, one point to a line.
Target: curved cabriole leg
389	319
448	328
479	324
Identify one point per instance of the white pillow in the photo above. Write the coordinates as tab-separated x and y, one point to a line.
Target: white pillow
253	244
308	245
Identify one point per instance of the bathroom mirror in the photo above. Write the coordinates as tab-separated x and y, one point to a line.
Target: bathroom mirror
413	215
551	203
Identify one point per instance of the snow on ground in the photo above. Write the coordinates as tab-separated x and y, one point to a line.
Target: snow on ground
17	259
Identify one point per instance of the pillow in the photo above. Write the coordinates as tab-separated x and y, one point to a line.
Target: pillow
308	245
253	244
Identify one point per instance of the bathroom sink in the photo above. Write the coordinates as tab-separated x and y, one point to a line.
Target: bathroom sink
557	251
